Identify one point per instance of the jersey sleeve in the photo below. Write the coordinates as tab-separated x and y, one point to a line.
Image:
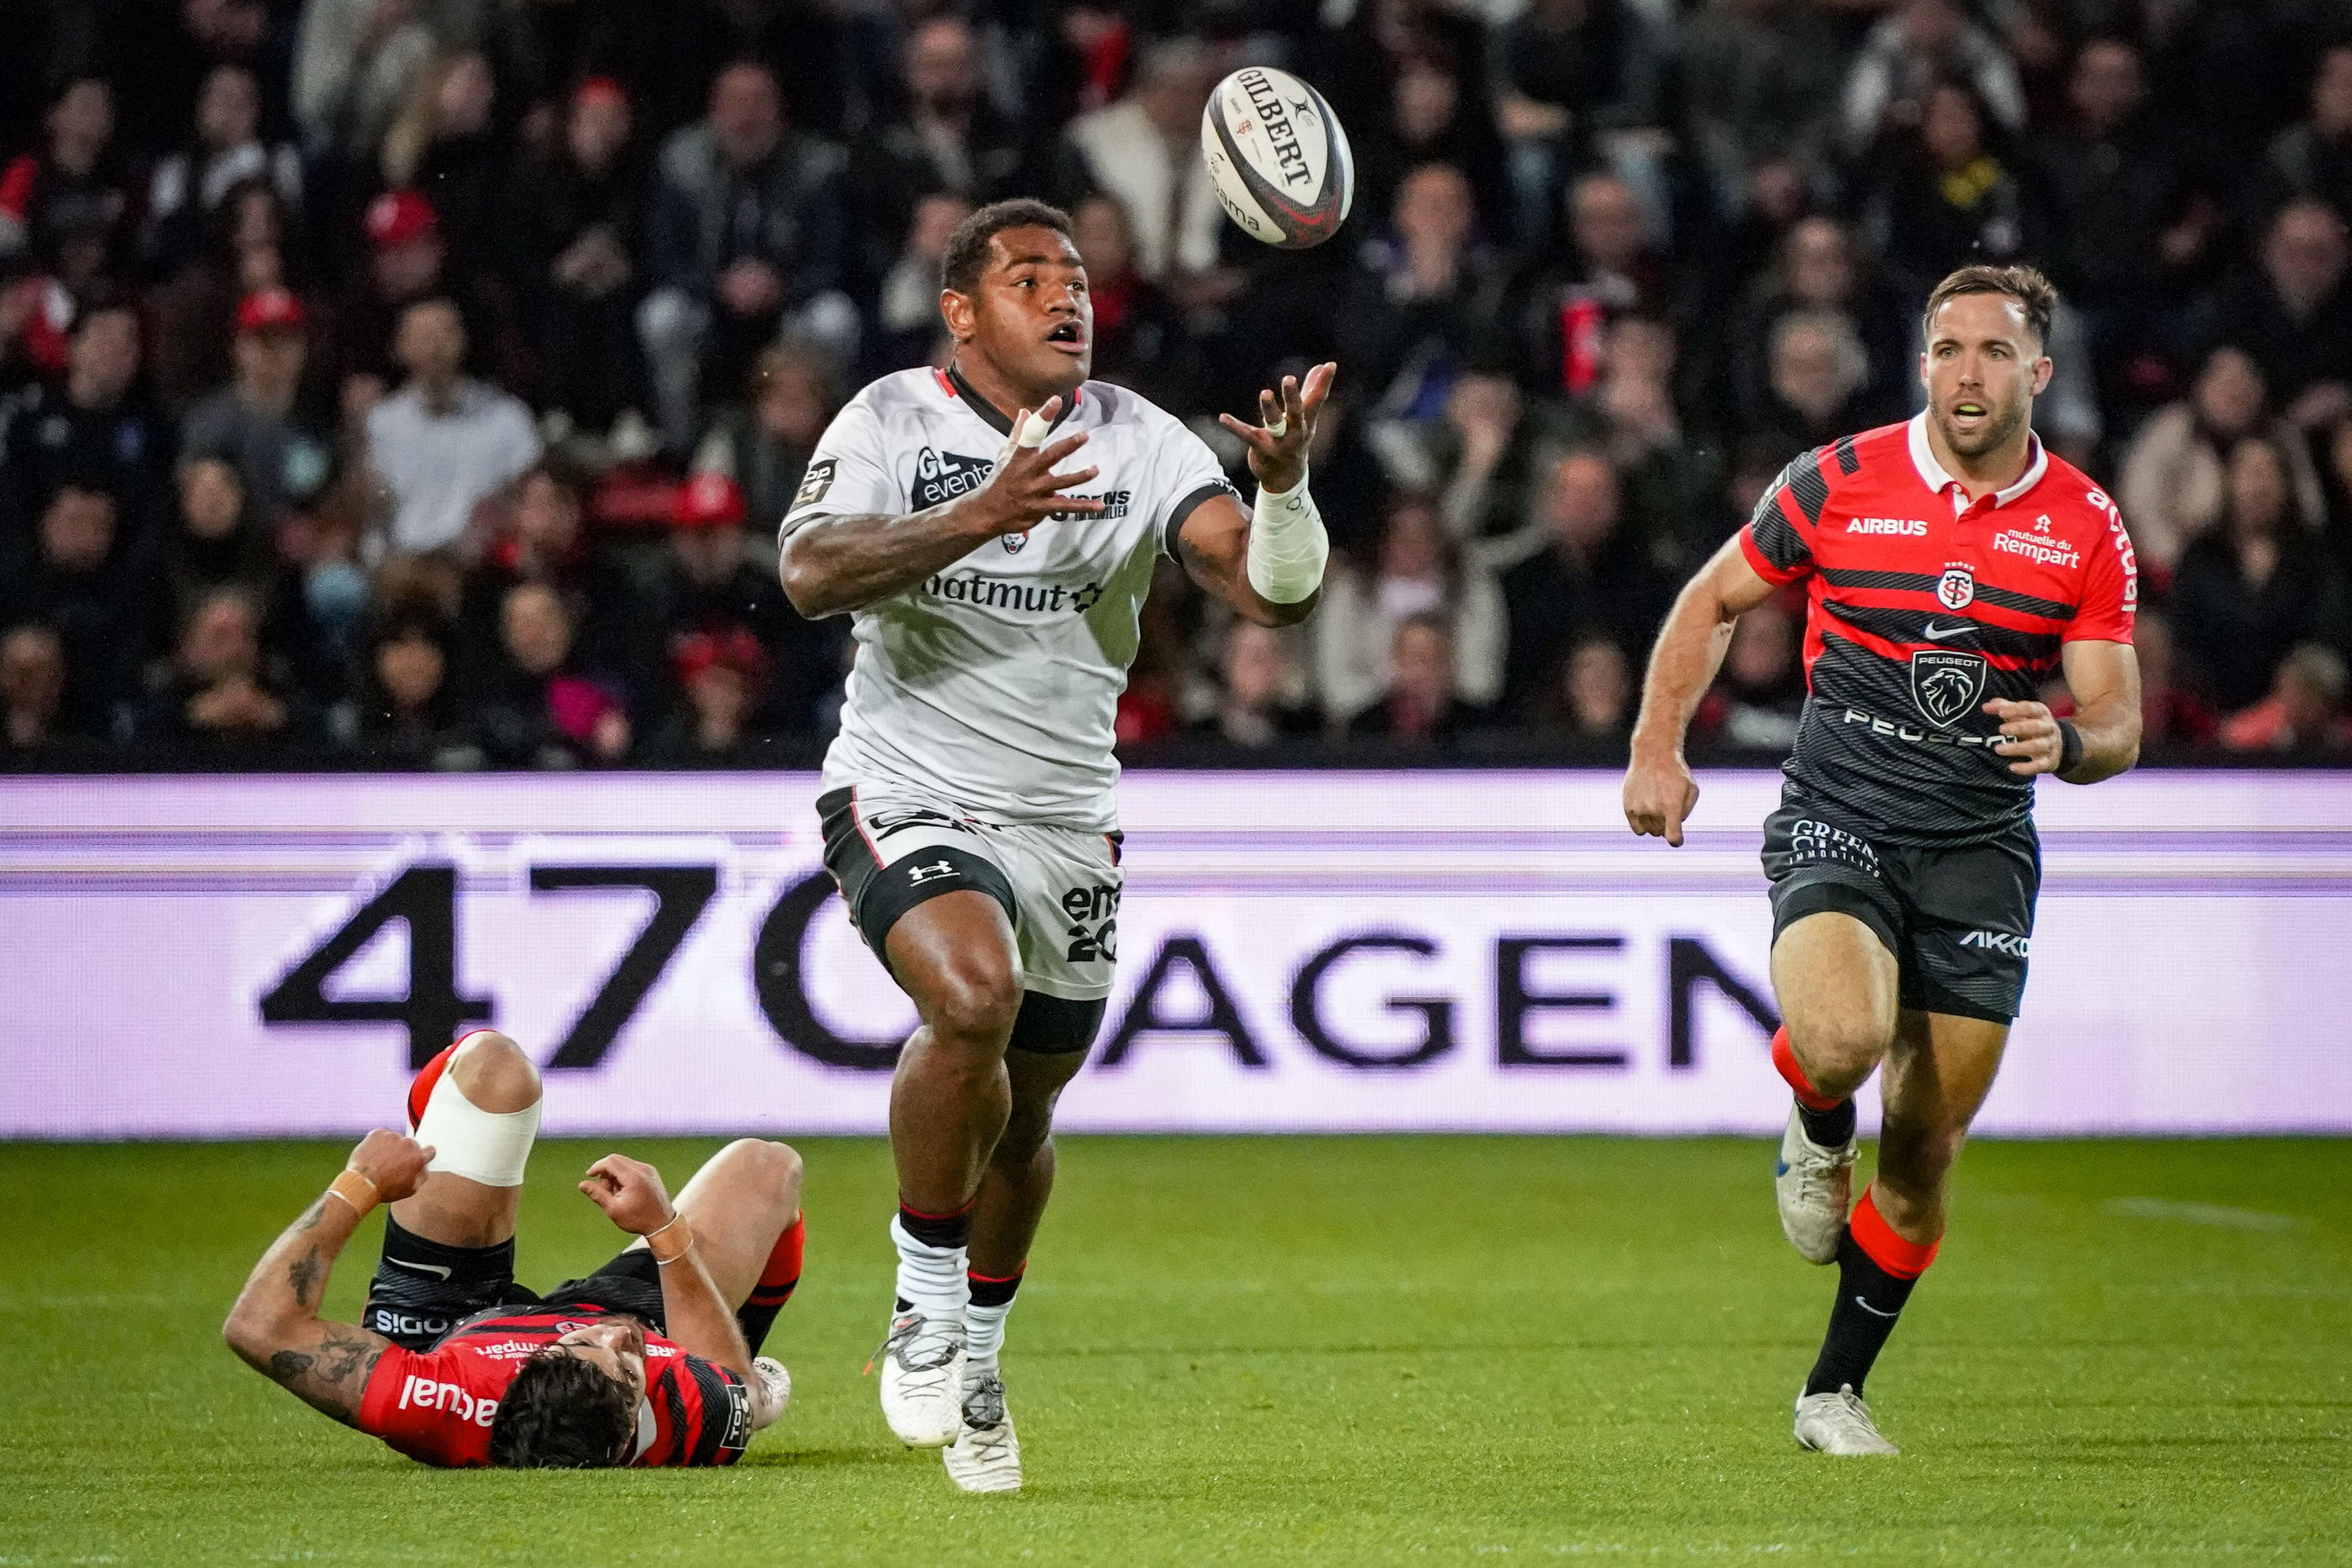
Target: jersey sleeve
703	1414
2110	602
1188	473
848	475
432	1406
1779	539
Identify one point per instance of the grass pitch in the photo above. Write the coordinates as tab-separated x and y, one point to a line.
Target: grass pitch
1326	1351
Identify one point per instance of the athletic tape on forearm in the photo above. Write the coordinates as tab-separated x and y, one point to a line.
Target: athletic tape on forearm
489	1146
1287	545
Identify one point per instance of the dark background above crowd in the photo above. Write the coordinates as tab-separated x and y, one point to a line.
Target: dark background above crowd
417	382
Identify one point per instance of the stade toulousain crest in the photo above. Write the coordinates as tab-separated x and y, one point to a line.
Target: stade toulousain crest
1956	589
1946	685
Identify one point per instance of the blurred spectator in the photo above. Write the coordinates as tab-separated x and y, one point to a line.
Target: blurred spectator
1145	150
94	587
2313	157
1419	571
2303	713
1259	697
1632	418
1433	115
1950	195
2174	473
227	149
1761	80
443	443
2293	314
32	691
1421	296
1569	75
408	710
617	631
1761	695
96	424
722	675
1591	696
68	207
948	138
354	62
2170	713
217	688
1587	574
908	329
749	238
543	708
246	250
1818	381
283	457
2256	585
1481	454
1920	44
1140	339
763	445
1561	314
713	590
1819	266
1421	706
578	225
442	141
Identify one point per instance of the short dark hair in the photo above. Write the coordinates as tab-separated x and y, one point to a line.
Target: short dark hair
561	1413
965	255
2025	285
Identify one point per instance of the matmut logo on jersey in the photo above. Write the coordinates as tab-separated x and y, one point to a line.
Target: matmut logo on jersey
1013	594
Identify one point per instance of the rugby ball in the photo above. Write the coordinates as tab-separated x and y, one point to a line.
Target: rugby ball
1279	158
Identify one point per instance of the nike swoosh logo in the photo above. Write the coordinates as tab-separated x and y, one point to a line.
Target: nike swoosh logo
1936	634
1873	1311
440	1269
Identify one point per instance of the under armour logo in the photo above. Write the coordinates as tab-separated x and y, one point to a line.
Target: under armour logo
919	874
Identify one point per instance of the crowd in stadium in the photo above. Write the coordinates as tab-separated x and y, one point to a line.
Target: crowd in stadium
419	383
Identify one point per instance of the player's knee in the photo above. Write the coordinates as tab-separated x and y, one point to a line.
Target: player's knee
773	1170
1838	1051
494	1074
1026	1136
975	1004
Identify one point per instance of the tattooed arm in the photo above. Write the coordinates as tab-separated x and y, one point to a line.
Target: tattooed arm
275	1324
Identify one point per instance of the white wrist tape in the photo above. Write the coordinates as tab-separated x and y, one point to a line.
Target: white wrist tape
489	1146
1287	545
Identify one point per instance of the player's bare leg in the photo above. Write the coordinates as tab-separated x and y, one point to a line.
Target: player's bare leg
950	1100
1938	1075
1838	986
744	1209
986	1455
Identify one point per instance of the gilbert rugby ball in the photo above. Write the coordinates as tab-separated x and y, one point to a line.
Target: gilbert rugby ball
1279	158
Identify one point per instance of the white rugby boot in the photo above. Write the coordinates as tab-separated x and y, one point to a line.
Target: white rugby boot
770	1372
985	1455
922	1376
1839	1423
1814	1187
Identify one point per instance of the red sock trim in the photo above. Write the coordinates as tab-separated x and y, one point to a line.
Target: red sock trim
1904	1259
1785	1061
998	1279
912	1212
784	1267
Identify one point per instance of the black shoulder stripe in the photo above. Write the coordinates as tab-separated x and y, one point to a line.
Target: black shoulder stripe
1808	485
1852	577
716	1404
1848	459
675	1403
1187	507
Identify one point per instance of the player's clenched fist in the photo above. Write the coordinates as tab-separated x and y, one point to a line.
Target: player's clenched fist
1659	795
1026	490
394	1164
2030	735
630	1193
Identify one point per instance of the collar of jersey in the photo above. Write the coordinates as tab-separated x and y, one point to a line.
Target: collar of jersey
993	416
1932	473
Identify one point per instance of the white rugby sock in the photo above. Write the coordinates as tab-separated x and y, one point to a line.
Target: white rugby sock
930	1279
983	1338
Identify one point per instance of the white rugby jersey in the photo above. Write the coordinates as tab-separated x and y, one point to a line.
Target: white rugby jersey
995	682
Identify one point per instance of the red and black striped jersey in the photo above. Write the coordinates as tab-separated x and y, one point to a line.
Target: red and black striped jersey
436	1406
1923	607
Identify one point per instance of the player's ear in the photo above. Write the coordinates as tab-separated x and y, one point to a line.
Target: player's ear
956	310
2042	370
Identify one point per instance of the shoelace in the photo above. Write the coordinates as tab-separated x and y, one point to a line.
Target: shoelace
1851	1413
902	1336
983	1407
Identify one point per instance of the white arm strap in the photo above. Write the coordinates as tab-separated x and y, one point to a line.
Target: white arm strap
1287	545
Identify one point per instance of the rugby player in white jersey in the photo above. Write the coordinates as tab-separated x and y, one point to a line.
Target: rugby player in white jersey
969	813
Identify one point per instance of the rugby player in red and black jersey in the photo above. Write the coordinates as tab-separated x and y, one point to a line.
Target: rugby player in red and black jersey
651	1360
1952	565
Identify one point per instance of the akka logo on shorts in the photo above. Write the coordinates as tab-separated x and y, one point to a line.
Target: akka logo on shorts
1946	685
1997	942
942	476
1956	589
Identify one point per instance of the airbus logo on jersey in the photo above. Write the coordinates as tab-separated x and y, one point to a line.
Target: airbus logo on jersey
1913	527
1014	593
942	476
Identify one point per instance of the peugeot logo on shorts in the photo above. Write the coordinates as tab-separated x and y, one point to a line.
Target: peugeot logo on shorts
1946	685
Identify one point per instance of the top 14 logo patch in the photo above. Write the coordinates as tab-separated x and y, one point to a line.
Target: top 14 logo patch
1956	589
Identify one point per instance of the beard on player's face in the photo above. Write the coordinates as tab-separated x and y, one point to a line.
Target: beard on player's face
2000	423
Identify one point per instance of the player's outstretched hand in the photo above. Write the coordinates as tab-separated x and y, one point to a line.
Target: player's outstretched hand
2031	735
1277	448
395	1163
1026	490
1659	795
630	1193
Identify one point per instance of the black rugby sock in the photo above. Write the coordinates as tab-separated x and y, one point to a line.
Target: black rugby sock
1876	1270
1831	1128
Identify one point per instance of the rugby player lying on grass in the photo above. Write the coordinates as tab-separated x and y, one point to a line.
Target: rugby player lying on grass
647	1361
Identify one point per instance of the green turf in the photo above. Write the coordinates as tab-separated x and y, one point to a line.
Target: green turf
1332	1351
